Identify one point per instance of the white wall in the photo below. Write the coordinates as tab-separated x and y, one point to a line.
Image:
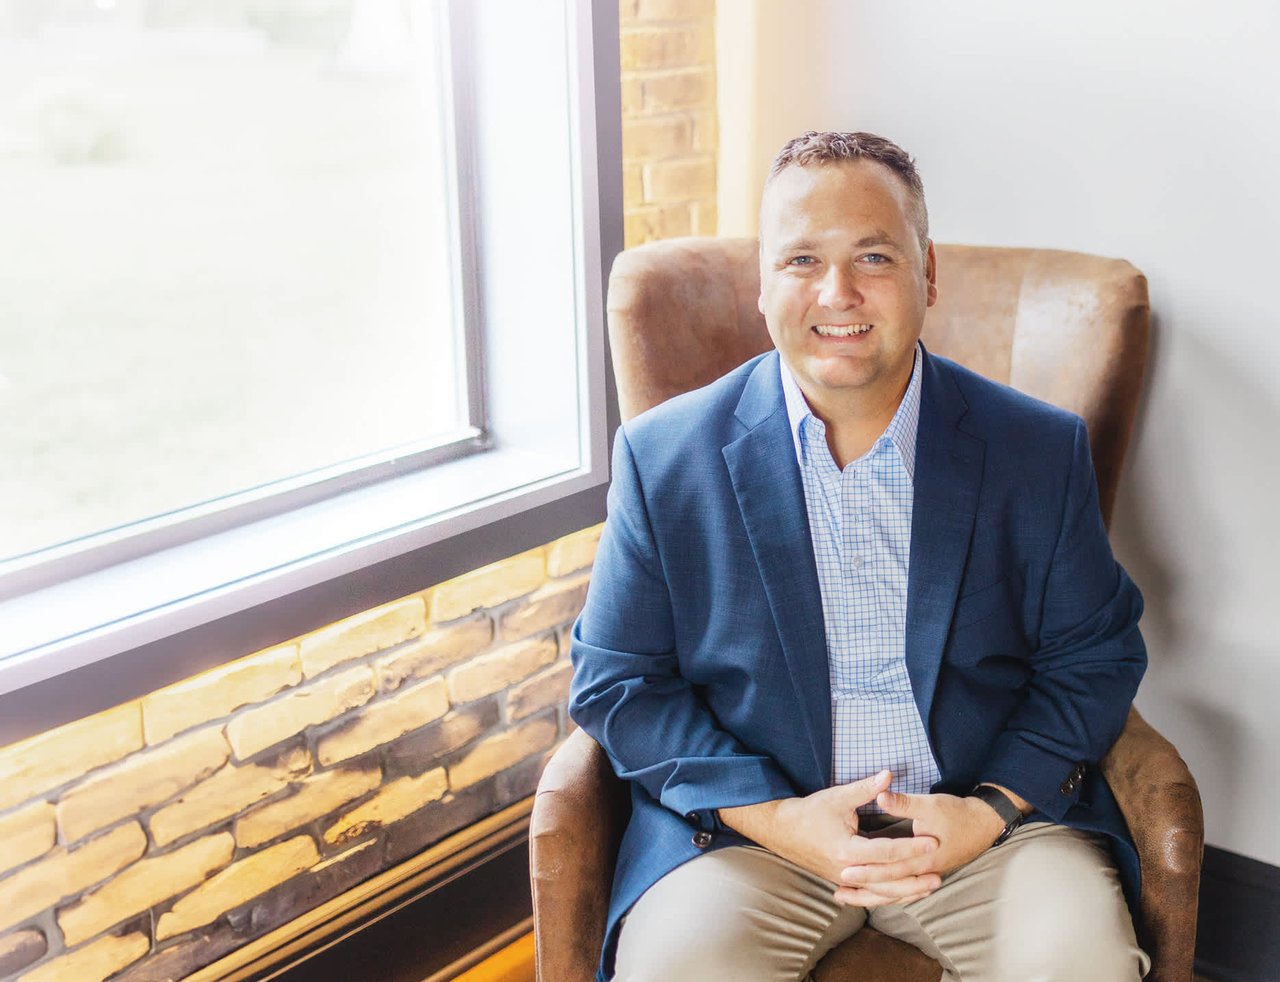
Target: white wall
1148	130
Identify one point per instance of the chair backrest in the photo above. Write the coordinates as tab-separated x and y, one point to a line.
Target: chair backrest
1066	327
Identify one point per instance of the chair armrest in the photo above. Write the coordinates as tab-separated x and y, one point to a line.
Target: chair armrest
579	813
1161	804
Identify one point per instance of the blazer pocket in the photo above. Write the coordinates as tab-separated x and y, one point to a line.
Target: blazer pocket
1003	595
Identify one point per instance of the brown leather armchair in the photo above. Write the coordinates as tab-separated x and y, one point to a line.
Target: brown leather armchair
1065	327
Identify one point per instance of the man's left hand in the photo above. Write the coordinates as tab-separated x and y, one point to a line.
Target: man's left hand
964	828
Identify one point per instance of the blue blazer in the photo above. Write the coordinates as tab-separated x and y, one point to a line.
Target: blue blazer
700	660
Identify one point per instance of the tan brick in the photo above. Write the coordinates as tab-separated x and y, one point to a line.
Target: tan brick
555	604
143	885
498	669
239	882
656	222
632	97
254	730
678	90
20	949
489	586
385	721
227	793
220	692
68	872
363	634
680	180
499	752
26	834
140	781
650	10
573	552
706	131
433	651
706	219
627	10
657	137
675	46
632	196
42	763
549	688
320	795
99	960
423	749
394	802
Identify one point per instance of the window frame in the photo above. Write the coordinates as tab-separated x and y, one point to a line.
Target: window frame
124	657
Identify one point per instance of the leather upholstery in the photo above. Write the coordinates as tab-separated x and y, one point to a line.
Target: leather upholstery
1066	327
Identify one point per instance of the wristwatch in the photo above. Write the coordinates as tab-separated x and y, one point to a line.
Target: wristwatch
1006	809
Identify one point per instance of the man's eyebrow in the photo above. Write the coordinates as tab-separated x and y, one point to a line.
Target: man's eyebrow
878	237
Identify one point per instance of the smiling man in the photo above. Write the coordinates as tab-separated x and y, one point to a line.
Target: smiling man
856	636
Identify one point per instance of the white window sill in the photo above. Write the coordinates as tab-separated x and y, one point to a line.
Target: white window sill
63	627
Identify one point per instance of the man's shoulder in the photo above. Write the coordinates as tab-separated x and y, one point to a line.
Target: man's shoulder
997	410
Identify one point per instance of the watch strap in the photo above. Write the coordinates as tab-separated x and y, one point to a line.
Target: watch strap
1009	813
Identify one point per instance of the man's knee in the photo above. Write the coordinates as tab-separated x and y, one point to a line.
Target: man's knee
735	914
1073	923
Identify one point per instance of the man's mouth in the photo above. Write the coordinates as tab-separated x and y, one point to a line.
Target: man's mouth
841	330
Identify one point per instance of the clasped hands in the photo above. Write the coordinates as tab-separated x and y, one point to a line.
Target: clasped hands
821	833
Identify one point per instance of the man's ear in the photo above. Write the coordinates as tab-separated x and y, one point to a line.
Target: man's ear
931	274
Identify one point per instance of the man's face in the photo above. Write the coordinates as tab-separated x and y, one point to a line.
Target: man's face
843	282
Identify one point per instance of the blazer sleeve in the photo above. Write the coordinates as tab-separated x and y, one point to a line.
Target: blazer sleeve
628	692
1087	662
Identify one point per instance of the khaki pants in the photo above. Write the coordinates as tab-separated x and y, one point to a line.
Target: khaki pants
1044	905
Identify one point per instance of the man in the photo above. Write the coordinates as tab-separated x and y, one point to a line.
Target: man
856	636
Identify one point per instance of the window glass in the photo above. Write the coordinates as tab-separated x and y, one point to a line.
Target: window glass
225	248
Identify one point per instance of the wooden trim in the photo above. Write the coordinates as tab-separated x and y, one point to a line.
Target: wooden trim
410	883
501	958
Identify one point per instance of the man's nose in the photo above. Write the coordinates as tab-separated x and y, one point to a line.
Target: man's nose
839	289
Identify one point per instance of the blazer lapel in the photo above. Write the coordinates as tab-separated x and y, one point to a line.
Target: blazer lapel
948	477
766	479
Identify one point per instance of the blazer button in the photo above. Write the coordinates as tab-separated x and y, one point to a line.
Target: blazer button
1067	787
702	839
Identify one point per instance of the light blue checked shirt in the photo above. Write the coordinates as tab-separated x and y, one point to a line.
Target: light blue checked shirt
860	521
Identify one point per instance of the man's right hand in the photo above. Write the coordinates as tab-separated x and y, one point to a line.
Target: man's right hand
820	833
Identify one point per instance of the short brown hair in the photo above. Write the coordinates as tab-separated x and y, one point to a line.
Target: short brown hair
815	149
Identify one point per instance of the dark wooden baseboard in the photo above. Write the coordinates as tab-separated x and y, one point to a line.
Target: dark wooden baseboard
426	920
1238	935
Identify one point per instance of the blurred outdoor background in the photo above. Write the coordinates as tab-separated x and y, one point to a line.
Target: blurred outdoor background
224	252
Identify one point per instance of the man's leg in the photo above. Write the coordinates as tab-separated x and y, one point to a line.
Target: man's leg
1044	906
738	913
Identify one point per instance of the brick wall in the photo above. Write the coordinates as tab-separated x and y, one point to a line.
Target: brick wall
669	132
155	837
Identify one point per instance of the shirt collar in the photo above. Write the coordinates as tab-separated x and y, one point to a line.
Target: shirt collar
901	430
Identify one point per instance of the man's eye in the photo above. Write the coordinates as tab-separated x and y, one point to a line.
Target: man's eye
801	261
875	258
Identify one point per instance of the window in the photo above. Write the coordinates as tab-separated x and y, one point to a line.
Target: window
232	263
304	287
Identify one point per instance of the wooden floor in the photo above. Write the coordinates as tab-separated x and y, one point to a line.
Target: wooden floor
514	963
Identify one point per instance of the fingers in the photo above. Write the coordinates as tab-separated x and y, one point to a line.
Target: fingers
864	791
900	805
865	852
900	891
870	875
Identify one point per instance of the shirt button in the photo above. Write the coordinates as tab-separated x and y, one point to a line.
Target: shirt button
702	839
857	562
